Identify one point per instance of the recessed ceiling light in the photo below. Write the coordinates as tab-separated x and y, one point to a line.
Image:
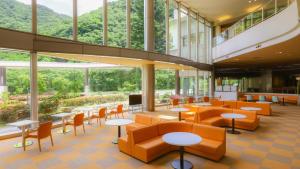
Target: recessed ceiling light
280	52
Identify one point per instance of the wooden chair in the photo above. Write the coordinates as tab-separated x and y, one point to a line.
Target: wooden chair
101	114
77	121
43	131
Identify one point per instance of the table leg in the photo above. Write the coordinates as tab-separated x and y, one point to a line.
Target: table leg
181	163
64	129
179	116
115	141
23	143
233	131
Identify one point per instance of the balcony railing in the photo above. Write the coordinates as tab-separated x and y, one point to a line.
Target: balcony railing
261	14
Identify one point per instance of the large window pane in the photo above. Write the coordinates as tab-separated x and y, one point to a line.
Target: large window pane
14	88
193	37
160	26
208	43
116	18
137	24
16	14
90	21
184	33
164	85
173	28
202	42
54	18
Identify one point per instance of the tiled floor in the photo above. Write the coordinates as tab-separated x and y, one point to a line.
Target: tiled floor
274	145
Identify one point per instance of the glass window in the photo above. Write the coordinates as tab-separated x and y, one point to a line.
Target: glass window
208	43
16	15
184	33
173	28
160	26
269	9
55	18
202	42
193	37
137	24
90	21
164	85
14	89
116	19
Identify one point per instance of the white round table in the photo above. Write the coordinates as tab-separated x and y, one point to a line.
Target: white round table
203	104
251	108
233	116
119	123
181	139
179	110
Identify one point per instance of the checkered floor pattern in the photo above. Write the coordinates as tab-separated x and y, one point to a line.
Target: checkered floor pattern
274	145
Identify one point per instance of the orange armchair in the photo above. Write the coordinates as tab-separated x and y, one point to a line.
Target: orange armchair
190	100
77	121
101	114
118	111
43	131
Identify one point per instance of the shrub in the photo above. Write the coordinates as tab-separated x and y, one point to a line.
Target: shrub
14	112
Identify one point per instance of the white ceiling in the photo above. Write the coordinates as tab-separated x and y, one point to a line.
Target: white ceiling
229	10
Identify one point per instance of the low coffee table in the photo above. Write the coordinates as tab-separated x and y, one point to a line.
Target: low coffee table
251	108
181	139
179	110
119	123
233	116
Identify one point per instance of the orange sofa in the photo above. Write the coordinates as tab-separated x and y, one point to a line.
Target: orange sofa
213	117
146	143
142	120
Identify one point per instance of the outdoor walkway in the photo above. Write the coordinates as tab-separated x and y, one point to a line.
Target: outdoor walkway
274	145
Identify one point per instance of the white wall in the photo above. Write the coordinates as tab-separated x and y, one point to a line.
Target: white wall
271	30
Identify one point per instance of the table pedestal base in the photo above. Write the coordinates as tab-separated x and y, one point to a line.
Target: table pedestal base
19	145
63	132
186	164
115	141
233	131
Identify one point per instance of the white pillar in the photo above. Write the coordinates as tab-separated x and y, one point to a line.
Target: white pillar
212	84
33	86
197	83
104	22
148	70
3	87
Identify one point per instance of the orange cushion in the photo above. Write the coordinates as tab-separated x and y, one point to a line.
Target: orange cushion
168	127
208	145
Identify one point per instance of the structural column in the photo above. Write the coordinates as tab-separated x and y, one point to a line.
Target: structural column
3	87
177	82
86	81
75	16
212	84
128	25
104	22
148	70
197	83
33	86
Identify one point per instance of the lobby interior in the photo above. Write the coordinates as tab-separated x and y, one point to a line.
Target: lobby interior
201	84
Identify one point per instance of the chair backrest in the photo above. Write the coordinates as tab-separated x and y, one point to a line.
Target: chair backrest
249	98
102	112
275	99
175	102
120	108
44	130
206	99
191	100
262	98
78	119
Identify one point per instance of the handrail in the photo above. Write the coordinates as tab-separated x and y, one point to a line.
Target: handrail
259	15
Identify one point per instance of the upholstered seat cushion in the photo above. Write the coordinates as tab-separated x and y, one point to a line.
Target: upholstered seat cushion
134	126
151	148
208	146
215	121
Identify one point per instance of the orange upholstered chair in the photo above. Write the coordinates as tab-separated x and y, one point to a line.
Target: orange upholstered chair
190	100
43	131
142	120
216	102
146	143
77	121
117	111
174	102
101	114
206	99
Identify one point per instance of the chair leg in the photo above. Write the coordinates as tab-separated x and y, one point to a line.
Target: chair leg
24	144
39	145
83	128
75	131
51	140
100	121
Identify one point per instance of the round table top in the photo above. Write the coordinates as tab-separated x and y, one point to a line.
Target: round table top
251	108
264	102
181	138
179	109
203	104
118	122
233	116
